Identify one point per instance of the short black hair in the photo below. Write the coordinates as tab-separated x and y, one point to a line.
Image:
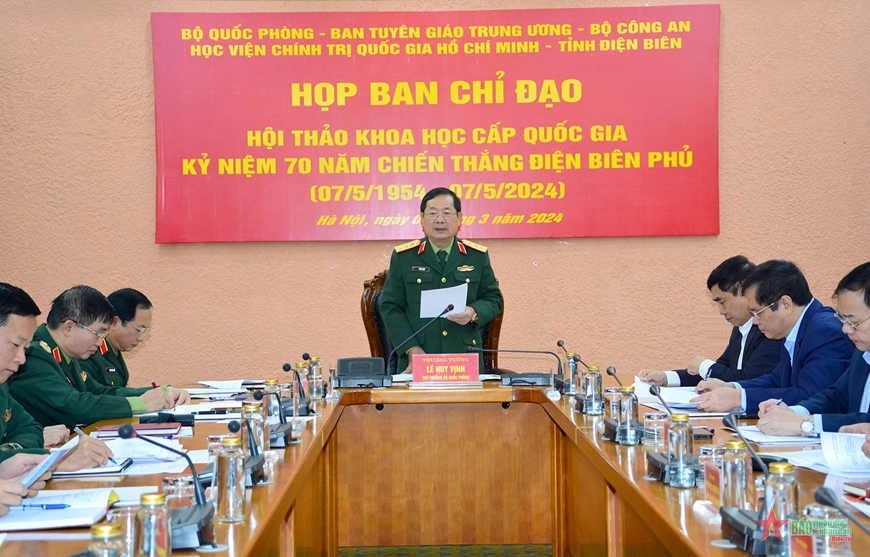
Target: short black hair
14	301
433	193
777	278
730	274
126	300
81	304
858	280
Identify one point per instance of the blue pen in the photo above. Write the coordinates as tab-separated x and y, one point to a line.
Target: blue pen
49	507
778	402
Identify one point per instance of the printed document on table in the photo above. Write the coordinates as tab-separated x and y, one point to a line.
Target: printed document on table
225	385
843	452
676	397
815	460
433	302
752	433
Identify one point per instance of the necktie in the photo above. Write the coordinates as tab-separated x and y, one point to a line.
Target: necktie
442	258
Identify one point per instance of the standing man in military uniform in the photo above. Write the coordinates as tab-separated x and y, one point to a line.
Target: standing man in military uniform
440	260
53	387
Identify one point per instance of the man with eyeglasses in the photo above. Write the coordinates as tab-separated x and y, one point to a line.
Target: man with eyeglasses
53	387
749	353
815	351
440	260
21	438
847	401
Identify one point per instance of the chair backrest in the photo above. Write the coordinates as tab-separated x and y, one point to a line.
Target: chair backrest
379	341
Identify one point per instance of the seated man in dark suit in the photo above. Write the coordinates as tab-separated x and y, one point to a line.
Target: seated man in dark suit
847	401
815	351
440	260
749	353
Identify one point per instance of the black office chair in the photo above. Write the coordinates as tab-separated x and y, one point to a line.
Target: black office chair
379	340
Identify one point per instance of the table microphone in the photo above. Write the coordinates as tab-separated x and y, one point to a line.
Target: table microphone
826	496
254	464
611	371
281	432
739	525
303	400
395	351
654	389
192	526
486	350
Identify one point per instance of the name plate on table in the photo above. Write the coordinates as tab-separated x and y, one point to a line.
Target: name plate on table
446	370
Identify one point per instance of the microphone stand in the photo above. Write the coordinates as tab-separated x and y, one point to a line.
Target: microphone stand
826	496
739	525
255	463
192	526
280	435
657	462
395	351
542	379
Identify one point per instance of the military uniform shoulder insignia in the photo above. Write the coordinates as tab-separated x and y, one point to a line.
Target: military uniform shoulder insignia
406	247
103	347
56	354
8	415
474	246
45	346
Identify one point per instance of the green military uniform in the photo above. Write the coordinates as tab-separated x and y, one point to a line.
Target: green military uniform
19	433
107	367
414	267
54	388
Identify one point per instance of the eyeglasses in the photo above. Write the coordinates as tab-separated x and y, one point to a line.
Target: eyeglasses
100	336
846	322
140	330
447	214
755	314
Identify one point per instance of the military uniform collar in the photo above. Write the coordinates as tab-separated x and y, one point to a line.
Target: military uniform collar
43	338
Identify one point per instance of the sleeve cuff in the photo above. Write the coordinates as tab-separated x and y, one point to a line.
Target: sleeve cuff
817	424
704	368
136	405
742	399
800	410
739	387
673	378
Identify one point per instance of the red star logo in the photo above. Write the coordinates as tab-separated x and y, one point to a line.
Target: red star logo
772	522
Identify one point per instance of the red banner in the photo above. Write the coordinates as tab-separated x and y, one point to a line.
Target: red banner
332	126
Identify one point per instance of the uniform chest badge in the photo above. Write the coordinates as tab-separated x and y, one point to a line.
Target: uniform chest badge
8	415
84	376
45	346
417	269
465	268
111	370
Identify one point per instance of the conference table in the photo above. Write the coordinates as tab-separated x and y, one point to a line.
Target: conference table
491	465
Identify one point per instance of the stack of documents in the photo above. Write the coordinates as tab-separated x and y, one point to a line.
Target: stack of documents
148	459
752	433
677	398
212	411
841	455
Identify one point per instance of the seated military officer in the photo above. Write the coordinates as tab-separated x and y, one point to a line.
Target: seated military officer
440	260
54	388
21	438
131	323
